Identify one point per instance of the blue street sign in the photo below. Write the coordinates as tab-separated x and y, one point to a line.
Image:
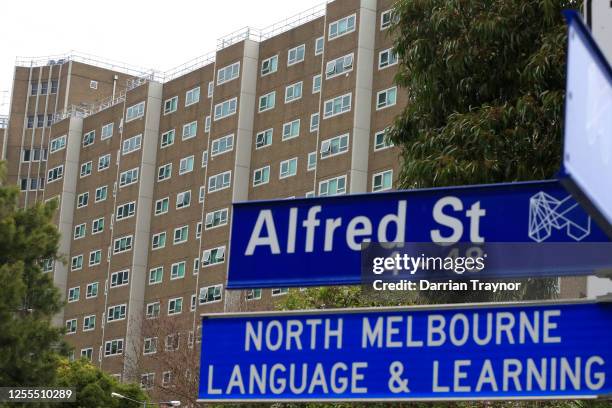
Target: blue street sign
493	351
317	241
587	158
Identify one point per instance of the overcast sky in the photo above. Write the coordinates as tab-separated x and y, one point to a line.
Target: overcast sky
158	35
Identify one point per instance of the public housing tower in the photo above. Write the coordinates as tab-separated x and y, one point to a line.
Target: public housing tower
145	166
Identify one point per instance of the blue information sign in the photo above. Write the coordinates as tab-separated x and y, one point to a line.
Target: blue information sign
317	241
527	350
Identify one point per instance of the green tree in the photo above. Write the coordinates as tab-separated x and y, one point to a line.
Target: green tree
93	387
485	81
29	344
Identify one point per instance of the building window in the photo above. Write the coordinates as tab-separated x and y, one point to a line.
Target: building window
207	124
337	106
382	140
382	181
132	144
161	206
211	88
192	96
87	353
92	290
213	256
170	105
150	345
164	172
55	173
101	193
190	130
210	294
76	263
204	158
314	122
202	194
128	177
253	294
291	129
293	92
74	294
71	326
386	58
316	83
222	145
181	234
177	270
261	176
120	278
44	87
216	218
296	55
228	73
126	210
116	313
86	169
198	230
97	225
49	119
113	347
175	306
40	120
387	18
196	262
153	310
386	98
158	241
34	88
167	139
339	66
263	139
186	165
57	144
80	230
312	161
47	265
104	162
226	108
341	27
30	124
288	168
269	65
82	200
89	138
122	244
280	291
107	131
334	146
95	257
135	111
319	44
93	84
219	181
333	186
89	323
54	86
172	340
156	275
267	101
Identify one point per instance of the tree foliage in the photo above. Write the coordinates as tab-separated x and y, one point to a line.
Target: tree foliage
93	387
29	344
485	81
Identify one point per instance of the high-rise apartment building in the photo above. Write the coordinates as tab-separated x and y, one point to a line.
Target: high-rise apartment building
145	166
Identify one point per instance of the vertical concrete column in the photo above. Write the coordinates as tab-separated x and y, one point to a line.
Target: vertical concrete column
362	103
244	140
143	225
66	208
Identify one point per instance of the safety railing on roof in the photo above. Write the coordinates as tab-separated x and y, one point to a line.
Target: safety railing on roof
187	67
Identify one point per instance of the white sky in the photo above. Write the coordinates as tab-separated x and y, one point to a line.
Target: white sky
148	34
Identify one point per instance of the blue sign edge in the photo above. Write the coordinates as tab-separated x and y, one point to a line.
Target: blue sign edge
446	306
575	20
